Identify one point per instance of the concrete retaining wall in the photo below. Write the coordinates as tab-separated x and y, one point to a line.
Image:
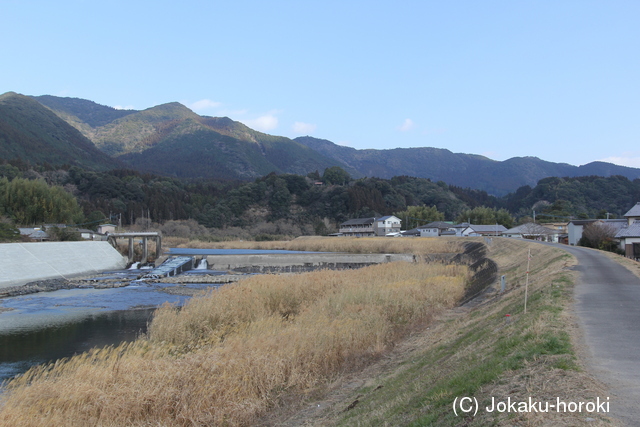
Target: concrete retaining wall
21	263
278	263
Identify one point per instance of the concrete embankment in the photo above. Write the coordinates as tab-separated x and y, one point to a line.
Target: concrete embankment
21	263
300	262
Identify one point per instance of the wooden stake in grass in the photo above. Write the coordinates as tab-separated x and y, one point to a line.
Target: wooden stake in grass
526	285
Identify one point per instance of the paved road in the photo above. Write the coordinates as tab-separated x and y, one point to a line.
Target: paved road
607	304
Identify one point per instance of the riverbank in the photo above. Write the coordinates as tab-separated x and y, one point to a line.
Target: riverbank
475	350
23	263
488	348
50	285
97	282
264	339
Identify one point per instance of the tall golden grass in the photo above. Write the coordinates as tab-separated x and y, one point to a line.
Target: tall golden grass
334	244
226	358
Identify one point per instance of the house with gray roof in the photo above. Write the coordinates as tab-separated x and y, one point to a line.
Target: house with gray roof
630	234
533	231
434	229
442	228
34	234
575	228
484	230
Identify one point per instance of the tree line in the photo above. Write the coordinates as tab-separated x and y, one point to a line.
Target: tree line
317	202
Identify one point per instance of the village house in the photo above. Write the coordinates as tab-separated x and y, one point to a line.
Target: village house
441	228
533	231
364	227
106	228
34	234
484	230
575	228
629	235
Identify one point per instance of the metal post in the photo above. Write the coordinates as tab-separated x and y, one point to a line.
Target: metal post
503	283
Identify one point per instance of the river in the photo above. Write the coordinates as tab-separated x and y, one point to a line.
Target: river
43	327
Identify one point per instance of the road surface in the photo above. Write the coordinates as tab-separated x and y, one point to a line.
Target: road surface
607	304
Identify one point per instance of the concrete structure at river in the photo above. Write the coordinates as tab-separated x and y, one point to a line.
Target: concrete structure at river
21	263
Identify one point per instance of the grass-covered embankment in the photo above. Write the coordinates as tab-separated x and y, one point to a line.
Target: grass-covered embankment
476	352
227	358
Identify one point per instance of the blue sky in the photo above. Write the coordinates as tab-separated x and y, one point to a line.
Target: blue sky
556	80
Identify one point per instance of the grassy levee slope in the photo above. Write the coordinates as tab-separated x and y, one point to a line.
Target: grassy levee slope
231	356
474	351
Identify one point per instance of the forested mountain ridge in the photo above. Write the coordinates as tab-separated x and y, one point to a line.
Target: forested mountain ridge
171	139
464	170
31	132
287	204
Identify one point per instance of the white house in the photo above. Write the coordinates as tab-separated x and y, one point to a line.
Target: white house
533	231
106	228
441	228
433	229
387	225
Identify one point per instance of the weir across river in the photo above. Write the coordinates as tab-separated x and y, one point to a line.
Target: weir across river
145	236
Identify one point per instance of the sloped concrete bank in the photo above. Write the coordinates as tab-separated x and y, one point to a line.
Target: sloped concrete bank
22	263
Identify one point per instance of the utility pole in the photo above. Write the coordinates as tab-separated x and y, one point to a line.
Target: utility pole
526	286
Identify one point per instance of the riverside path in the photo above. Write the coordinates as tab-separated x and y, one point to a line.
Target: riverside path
607	305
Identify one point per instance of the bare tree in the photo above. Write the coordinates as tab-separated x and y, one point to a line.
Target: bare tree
598	235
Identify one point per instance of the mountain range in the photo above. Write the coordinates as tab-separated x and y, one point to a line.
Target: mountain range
170	139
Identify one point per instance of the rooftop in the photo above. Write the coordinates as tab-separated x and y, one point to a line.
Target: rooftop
530	229
358	221
634	211
632	230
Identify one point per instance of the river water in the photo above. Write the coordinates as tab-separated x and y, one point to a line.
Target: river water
46	326
43	327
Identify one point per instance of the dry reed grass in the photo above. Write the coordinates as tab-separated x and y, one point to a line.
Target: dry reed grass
226	358
424	373
419	246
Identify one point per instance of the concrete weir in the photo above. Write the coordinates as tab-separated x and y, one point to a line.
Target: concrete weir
22	263
299	262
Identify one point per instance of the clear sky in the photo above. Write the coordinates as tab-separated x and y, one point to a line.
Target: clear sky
559	80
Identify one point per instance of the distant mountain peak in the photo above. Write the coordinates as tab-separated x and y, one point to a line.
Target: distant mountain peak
32	132
172	139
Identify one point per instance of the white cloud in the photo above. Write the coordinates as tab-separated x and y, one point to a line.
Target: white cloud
407	125
303	128
263	123
628	159
120	107
204	104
